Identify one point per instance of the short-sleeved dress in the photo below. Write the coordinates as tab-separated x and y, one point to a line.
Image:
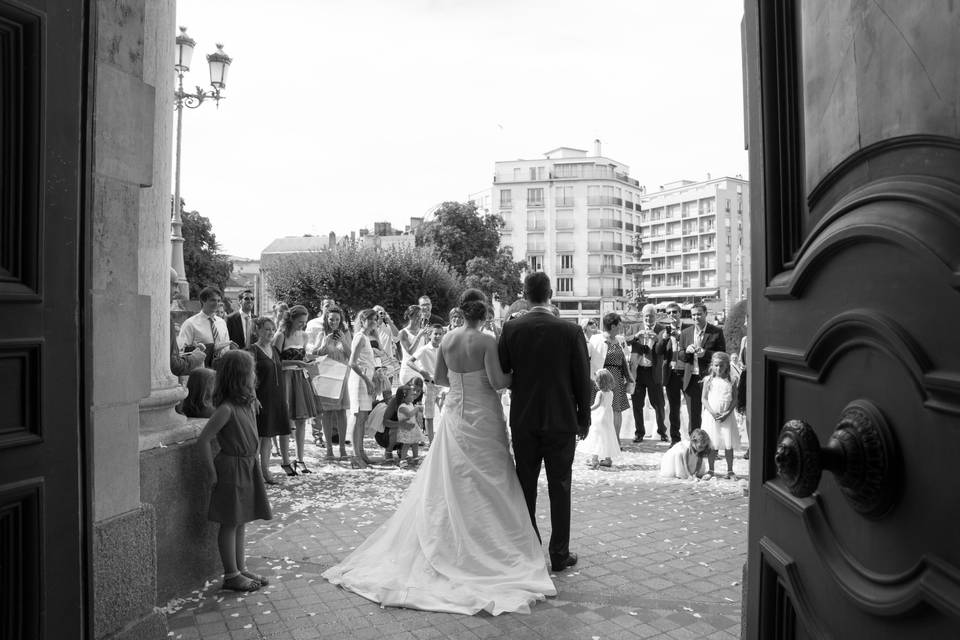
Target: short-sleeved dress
723	434
616	364
362	355
239	495
272	418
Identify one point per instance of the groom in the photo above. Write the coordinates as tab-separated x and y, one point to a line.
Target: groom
549	406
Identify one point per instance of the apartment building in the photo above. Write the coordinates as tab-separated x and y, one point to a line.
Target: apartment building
696	236
573	216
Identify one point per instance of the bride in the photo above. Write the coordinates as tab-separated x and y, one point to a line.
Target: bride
461	540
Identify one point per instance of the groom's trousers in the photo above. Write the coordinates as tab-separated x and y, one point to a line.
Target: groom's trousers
555	450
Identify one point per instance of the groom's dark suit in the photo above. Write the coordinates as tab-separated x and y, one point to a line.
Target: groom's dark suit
550	402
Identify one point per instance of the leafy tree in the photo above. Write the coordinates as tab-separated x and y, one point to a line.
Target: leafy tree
500	274
458	234
733	326
204	264
358	277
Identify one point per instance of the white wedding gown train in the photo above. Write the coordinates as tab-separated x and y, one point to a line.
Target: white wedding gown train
461	540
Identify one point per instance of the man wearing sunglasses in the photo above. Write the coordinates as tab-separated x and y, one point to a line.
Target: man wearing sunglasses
668	352
240	323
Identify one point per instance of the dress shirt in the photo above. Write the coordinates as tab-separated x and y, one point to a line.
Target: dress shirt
198	329
698	342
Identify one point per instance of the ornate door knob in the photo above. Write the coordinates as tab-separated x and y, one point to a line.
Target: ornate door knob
862	453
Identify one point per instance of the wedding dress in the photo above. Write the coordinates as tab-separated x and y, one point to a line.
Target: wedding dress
461	540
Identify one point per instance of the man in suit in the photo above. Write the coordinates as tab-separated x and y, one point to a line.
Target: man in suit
647	368
549	408
240	323
671	367
697	346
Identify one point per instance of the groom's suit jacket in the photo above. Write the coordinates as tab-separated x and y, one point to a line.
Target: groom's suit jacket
551	373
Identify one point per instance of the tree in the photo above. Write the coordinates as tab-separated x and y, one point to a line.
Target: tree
204	264
733	326
458	234
500	274
358	277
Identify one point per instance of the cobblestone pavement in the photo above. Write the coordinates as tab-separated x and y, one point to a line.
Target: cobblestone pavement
658	559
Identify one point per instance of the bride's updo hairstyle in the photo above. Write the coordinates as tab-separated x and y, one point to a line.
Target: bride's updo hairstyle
473	304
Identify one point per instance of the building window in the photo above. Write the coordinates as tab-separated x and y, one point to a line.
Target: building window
535	262
565	285
535	197
506	198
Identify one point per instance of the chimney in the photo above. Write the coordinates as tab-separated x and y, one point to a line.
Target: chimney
596	148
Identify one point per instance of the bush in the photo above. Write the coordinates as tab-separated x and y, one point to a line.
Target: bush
733	326
358	277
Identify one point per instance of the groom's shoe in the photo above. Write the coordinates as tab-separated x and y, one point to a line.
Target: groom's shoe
563	564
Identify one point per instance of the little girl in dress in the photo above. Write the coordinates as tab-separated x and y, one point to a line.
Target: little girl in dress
409	416
717	419
601	443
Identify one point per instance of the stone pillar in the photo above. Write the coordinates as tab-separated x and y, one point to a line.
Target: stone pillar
156	410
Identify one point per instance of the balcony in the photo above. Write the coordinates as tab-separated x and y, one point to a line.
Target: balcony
604	223
537	224
594	201
565	202
603	245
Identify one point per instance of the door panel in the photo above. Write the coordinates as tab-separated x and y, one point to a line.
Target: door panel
854	153
42	131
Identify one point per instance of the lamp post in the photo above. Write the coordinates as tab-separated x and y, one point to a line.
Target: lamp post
219	65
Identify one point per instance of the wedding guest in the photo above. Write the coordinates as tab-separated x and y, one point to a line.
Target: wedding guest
424	363
206	328
606	352
719	392
697	345
199	400
272	418
238	494
455	319
685	458
290	341
409	415
335	345
601	443
414	334
240	322
361	383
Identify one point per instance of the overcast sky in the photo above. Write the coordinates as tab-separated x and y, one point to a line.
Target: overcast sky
340	113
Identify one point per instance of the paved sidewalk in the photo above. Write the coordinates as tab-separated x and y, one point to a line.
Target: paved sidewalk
658	559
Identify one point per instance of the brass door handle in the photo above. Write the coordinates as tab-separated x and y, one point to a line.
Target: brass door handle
861	453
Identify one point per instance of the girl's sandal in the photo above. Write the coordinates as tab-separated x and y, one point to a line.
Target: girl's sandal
240	582
261	579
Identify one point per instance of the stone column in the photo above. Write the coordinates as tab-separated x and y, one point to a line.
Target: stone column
156	411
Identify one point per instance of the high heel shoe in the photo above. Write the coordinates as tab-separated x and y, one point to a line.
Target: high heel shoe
302	466
289	469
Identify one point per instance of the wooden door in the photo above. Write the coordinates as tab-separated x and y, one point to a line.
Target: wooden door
855	323
42	173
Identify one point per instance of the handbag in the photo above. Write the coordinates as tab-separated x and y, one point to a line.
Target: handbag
329	379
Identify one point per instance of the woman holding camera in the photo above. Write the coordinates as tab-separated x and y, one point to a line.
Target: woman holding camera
335	344
415	333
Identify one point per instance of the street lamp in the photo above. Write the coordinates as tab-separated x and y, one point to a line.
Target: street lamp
219	63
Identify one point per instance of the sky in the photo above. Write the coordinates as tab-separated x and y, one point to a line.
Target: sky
342	113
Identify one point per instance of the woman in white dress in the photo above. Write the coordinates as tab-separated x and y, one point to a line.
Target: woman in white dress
461	540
